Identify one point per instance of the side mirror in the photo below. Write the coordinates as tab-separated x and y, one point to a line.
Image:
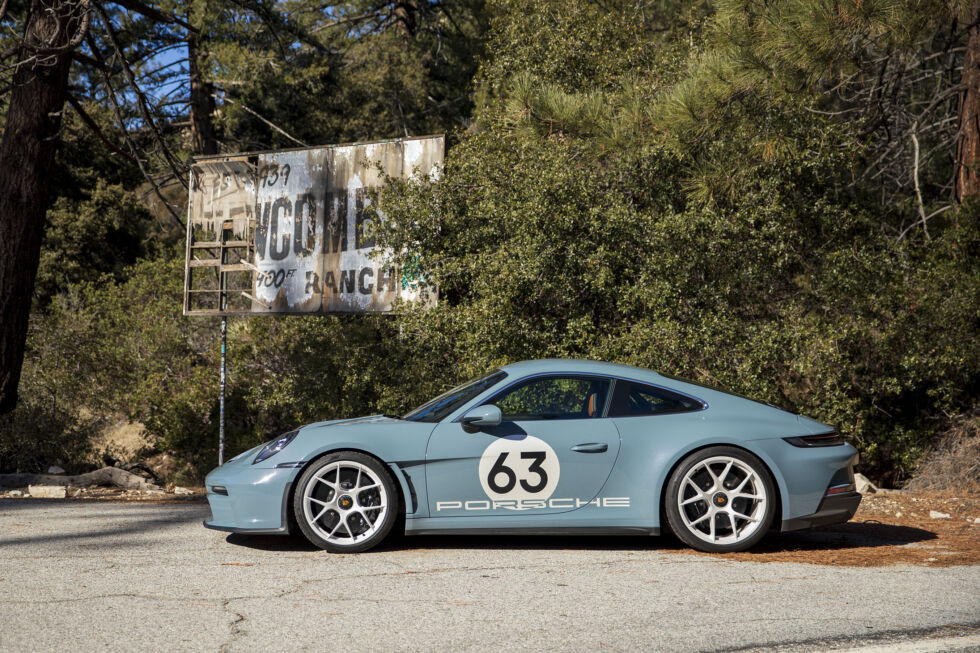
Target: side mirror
486	415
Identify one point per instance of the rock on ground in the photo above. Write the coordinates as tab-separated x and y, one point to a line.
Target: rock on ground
47	491
863	485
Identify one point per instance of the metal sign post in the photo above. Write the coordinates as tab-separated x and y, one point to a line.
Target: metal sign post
221	417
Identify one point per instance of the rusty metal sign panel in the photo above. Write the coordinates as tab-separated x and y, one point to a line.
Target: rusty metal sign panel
291	231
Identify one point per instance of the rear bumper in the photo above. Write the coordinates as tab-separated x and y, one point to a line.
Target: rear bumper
835	509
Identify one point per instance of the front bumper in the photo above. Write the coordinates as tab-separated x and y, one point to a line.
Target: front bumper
835	509
257	500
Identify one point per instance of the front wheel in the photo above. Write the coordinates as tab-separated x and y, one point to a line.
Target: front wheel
720	499
346	502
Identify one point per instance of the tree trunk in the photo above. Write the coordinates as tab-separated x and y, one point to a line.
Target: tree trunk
968	144
104	476
203	140
406	17
27	153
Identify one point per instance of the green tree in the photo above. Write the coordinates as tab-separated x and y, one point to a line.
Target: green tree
727	251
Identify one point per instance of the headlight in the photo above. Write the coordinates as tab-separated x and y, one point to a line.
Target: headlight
274	447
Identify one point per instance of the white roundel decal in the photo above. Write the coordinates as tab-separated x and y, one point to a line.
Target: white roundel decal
517	470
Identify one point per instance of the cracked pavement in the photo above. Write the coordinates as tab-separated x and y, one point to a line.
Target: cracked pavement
87	576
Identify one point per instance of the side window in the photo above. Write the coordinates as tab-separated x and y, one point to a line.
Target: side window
633	399
554	397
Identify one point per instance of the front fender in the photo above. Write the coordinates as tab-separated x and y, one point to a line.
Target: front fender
397	443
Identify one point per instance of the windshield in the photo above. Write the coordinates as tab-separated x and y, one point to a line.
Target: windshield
436	409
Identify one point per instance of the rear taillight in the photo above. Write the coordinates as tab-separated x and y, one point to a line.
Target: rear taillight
840	489
821	440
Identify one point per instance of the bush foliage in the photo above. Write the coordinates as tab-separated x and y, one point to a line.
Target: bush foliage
617	198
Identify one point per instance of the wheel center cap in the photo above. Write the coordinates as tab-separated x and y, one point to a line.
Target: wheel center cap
345	502
720	500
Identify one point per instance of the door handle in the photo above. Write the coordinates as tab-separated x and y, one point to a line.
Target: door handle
591	447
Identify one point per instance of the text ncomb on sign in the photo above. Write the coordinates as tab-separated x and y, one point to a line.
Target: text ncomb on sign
290	231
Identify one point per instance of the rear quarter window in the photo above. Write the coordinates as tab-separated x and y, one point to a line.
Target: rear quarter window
632	399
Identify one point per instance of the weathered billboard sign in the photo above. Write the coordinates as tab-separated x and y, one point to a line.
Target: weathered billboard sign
291	231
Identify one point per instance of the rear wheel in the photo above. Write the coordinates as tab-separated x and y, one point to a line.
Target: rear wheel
346	502
720	499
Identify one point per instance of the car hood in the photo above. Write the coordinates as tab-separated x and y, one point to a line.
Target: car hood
369	419
388	438
813	425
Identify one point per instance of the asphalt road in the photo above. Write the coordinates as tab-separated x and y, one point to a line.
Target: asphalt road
87	576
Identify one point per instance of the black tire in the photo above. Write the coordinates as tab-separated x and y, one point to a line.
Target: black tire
348	520
717	519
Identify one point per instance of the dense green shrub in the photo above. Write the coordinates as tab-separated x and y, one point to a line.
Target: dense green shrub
736	254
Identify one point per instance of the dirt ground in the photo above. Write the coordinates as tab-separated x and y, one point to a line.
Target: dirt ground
889	529
197	494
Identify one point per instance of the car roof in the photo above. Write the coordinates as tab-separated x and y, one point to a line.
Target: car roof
575	365
578	366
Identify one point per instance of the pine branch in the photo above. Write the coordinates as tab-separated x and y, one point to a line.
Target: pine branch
225	98
272	21
77	106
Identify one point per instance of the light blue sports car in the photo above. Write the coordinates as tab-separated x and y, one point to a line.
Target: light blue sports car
547	447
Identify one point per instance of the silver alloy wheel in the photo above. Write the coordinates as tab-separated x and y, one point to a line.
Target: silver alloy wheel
722	500
345	503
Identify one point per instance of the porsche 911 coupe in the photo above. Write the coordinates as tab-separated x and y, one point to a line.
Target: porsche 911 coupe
547	447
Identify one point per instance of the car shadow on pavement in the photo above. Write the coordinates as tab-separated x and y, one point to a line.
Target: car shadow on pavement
291	542
839	537
866	534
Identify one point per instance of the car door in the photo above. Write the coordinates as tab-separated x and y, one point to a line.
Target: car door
552	451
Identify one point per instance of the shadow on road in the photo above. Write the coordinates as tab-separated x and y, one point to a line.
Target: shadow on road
841	537
844	536
271	542
93	523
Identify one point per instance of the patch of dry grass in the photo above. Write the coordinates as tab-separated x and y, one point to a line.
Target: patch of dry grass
953	465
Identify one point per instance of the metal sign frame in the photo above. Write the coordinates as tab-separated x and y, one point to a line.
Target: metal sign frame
289	231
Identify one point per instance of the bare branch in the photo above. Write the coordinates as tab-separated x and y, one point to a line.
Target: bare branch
915	180
909	228
85	59
122	125
169	64
345	21
140	97
154	14
153	52
225	98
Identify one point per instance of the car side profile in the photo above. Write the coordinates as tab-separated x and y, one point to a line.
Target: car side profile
547	447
